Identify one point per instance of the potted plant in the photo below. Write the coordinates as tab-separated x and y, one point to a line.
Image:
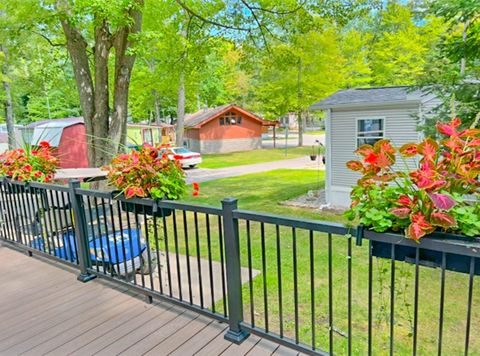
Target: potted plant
146	173
29	164
435	198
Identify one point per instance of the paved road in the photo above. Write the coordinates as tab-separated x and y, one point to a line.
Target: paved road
308	140
203	174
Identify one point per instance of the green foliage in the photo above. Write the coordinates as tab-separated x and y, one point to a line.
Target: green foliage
374	207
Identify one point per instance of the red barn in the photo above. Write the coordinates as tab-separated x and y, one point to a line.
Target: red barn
69	139
226	128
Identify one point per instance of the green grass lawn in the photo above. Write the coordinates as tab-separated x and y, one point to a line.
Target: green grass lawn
263	192
251	157
317	132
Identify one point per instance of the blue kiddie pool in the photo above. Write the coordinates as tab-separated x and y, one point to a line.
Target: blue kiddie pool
122	252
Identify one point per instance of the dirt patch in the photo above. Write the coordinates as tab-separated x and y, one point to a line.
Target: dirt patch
314	199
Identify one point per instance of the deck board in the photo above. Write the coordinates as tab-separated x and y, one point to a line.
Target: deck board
46	311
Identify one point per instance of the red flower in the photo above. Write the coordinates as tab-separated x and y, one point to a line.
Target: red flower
27	168
37	174
195	186
44	144
195	193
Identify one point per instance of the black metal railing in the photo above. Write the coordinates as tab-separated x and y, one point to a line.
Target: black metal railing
318	287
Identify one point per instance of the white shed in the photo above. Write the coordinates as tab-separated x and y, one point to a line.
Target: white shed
358	116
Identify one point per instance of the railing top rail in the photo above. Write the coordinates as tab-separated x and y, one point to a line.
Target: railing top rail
307	224
166	204
37	185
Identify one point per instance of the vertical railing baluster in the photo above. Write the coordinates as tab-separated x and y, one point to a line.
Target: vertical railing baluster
210	265
199	264
370	296
138	228
349	294
177	257
264	273
114	237
442	303
392	299
469	304
295	282
107	238
312	287
222	264
167	255
122	237
187	252
415	300
234	280
157	248
330	294
250	274
92	231
99	228
149	254
279	276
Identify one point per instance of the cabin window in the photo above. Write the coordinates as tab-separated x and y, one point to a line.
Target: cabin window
370	131
231	118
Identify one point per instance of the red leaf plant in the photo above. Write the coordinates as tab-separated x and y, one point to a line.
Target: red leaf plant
29	164
439	193
147	173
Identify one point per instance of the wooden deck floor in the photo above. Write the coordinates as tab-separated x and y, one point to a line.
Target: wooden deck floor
44	310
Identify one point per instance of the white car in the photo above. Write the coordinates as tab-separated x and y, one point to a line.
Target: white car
186	157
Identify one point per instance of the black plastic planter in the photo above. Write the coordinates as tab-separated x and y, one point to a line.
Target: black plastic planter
313	157
406	251
132	206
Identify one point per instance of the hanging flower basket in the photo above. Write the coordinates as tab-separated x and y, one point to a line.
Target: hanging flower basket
133	205
405	251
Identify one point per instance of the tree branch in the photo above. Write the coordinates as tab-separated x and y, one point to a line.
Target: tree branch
49	40
214	23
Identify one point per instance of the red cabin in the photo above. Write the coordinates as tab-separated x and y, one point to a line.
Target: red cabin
68	137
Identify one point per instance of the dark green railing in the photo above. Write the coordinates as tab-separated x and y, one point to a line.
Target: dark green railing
318	287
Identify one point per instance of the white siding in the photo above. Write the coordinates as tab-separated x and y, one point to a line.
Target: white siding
400	128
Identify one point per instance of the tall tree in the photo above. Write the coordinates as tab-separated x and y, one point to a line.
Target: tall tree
114	26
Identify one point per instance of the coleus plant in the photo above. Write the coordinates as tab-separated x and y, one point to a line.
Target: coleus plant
29	164
440	192
147	173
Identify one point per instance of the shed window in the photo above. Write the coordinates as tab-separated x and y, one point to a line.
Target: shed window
370	131
231	118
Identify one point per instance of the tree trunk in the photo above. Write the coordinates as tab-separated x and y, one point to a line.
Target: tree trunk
156	107
300	128
299	115
104	136
100	123
463	61
180	110
8	103
76	46
123	71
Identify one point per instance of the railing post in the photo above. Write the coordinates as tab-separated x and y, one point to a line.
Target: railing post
234	283
81	236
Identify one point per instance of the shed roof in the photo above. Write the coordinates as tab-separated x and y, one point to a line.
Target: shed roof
68	121
201	117
378	95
